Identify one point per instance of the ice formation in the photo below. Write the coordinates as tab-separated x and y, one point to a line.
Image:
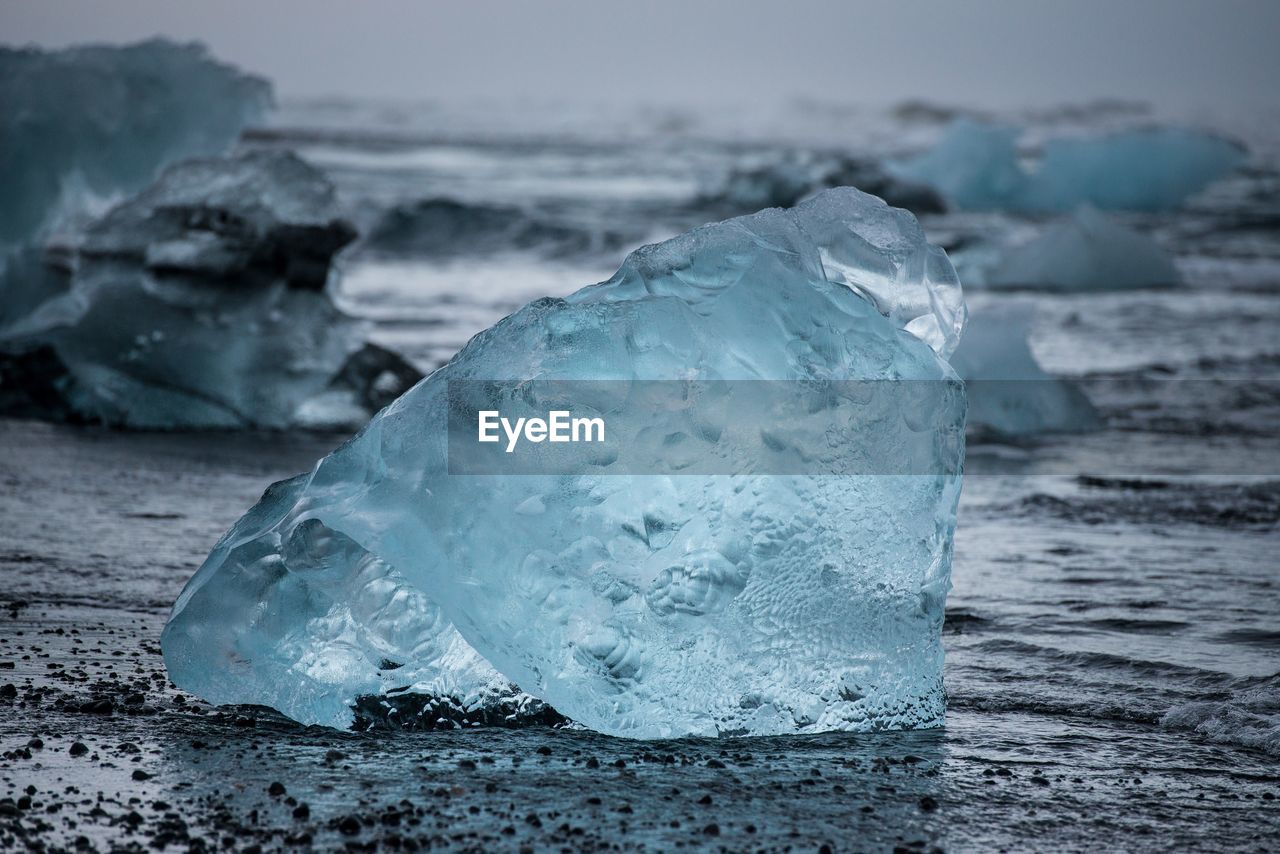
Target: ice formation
1086	251
202	302
1010	395
977	166
638	605
101	121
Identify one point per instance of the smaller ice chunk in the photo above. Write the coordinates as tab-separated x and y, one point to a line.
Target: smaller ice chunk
99	120
977	166
1086	251
204	302
974	165
1010	395
1153	169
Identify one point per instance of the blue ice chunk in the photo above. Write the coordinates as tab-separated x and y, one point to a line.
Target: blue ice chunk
1086	251
638	605
977	166
98	121
203	302
974	165
1010	395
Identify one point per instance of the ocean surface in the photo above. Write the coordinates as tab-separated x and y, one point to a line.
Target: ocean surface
1113	631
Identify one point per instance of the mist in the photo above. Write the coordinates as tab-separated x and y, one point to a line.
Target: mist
1174	53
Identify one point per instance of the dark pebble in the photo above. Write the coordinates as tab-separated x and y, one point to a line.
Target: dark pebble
78	748
302	811
139	774
928	804
276	789
712	829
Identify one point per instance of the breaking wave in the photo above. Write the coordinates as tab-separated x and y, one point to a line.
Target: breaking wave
1113	500
442	228
1250	717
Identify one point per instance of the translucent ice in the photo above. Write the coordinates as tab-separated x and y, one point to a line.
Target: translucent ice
1010	395
102	120
1086	251
638	605
977	166
203	302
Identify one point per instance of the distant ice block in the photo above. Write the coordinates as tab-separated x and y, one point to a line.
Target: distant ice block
101	121
1086	251
644	605
203	302
977	166
1010	395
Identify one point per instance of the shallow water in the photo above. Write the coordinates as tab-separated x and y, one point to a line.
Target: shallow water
1112	634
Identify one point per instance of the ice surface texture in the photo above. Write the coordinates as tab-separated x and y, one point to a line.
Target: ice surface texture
643	605
1010	395
976	166
102	120
203	302
1086	251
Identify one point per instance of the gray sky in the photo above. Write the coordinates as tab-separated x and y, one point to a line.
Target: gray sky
985	52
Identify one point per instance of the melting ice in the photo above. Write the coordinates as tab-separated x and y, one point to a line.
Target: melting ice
638	605
203	302
98	121
977	166
1010	395
1086	251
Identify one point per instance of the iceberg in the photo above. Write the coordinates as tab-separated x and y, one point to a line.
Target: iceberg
1086	251
98	121
640	605
203	302
977	166
1010	395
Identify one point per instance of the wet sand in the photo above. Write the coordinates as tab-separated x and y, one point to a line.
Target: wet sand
101	530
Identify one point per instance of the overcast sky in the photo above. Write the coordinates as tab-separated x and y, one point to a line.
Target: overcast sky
996	52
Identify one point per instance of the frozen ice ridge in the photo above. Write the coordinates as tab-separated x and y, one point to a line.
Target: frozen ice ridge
203	302
977	166
638	605
97	121
1086	251
1010	395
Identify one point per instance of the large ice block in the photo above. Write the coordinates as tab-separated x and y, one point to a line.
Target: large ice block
978	166
203	302
97	121
637	604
